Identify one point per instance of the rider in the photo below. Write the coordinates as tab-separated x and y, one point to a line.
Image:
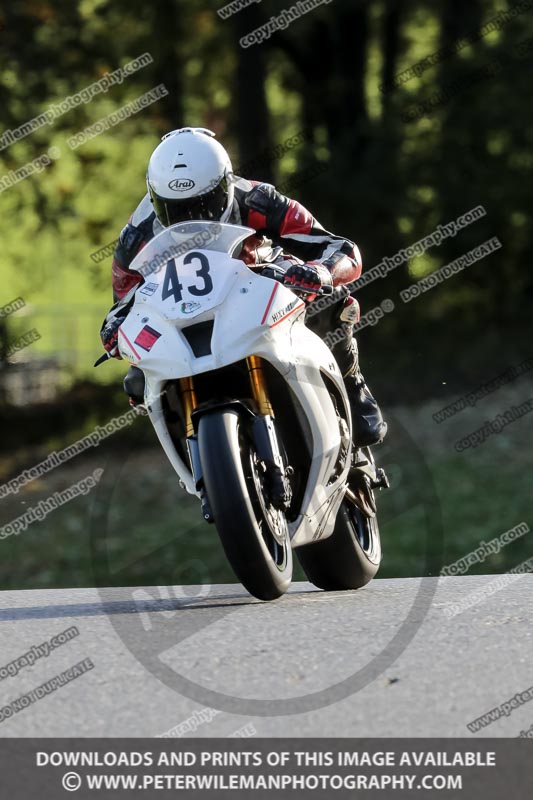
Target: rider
190	177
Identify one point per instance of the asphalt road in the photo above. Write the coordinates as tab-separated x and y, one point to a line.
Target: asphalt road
388	660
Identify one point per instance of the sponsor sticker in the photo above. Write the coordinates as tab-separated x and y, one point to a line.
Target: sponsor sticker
277	315
146	338
188	308
181	184
148	288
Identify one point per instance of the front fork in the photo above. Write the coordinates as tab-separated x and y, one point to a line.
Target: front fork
264	437
266	441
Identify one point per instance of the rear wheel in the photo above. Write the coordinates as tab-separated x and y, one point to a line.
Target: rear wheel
253	533
350	557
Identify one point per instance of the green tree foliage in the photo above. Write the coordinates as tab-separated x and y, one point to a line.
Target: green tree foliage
385	183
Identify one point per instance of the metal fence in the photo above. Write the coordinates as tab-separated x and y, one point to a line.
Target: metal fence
69	344
69	334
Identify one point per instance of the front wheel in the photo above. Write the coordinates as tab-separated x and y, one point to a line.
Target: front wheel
253	533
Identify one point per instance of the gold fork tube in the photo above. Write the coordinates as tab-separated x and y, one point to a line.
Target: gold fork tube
259	390
188	396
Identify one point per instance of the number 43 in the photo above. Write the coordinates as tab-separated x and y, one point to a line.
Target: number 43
172	286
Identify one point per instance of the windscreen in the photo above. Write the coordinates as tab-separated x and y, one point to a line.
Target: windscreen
178	239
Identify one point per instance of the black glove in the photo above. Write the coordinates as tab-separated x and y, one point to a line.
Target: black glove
109	336
308	276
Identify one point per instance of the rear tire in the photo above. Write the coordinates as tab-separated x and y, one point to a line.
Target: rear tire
253	533
350	557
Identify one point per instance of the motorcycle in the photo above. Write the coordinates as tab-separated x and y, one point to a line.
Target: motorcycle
251	410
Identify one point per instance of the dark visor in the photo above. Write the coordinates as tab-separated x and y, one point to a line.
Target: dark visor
208	206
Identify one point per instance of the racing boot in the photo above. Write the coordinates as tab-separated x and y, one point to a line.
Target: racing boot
367	421
338	318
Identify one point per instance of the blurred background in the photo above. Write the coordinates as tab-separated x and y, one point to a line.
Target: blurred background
387	151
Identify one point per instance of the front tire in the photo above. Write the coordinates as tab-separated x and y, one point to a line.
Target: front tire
253	533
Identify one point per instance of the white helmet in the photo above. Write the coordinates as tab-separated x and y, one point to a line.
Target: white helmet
190	177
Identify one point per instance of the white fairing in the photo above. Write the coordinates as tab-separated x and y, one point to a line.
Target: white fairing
252	315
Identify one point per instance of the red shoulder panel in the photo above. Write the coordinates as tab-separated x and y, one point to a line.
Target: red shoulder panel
297	220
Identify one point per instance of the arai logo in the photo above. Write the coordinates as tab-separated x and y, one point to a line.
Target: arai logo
181	184
188	308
